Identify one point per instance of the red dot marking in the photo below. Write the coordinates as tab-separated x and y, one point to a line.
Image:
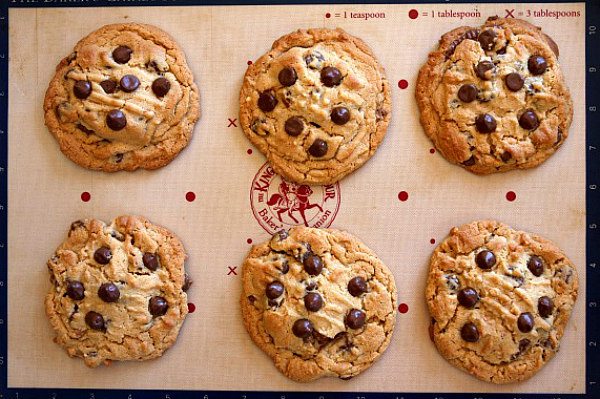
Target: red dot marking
403	84
403	308
249	240
328	15
249	63
190	196
191	308
85	196
249	151
402	196
413	14
432	241
432	150
511	196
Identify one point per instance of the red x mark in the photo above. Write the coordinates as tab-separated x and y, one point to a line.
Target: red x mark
509	13
232	270
232	122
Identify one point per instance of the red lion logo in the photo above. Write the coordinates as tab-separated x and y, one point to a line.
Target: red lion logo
292	198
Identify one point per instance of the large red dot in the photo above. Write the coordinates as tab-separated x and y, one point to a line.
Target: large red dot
402	196
511	196
249	62
432	150
403	84
328	15
249	151
432	241
190	196
191	308
403	308
413	14
249	240
85	196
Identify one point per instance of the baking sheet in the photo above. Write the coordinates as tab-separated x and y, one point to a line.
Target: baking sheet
213	351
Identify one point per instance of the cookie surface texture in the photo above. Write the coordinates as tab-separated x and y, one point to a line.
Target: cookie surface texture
117	290
318	302
493	98
317	105
499	300
123	99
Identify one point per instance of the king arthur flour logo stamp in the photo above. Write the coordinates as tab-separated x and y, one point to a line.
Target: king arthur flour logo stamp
278	204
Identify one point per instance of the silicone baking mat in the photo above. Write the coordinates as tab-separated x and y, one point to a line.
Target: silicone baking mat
213	195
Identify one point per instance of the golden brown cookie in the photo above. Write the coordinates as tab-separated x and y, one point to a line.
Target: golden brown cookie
318	302
123	99
118	290
493	98
317	105
499	300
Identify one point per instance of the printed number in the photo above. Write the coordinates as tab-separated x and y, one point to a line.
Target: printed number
593	187
592	30
593	305
591	147
205	396
593	265
92	396
528	13
592	226
1	360
592	108
592	70
1	283
53	396
592	344
167	396
130	396
1	321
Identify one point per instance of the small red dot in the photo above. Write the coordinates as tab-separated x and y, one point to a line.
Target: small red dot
403	84
85	196
249	151
413	14
511	196
328	15
249	63
249	240
190	196
402	196
432	241
432	150
191	308
403	308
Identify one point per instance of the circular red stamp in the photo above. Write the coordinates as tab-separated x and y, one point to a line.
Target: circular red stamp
278	204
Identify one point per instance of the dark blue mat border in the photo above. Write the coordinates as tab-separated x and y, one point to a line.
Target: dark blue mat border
592	220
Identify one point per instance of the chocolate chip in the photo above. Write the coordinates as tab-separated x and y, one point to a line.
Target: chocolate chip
109	86
545	306
340	115
482	70
161	87
501	51
129	83
485	259
122	54
84	129
150	261
187	282
537	64
302	328
471	34
357	286
287	76
514	81
75	290
76	225
467	93
94	320
355	319
103	255
281	235
470	161
469	332
525	322
468	297
506	156
82	89
313	265
109	292
529	120
523	345
294	126
487	38
331	76
251	298
157	306
267	101
272	303
285	267
274	290
313	301
535	264
116	120
318	148
320	338
485	123
311	286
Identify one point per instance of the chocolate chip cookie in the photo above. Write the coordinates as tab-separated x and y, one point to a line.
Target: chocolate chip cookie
118	290
493	98
317	105
499	300
123	99
318	302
